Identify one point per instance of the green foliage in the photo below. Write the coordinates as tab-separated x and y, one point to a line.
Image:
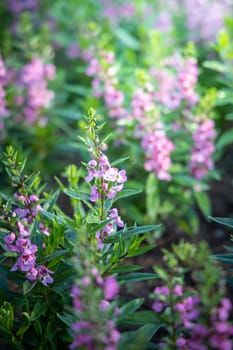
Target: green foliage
64	229
70	238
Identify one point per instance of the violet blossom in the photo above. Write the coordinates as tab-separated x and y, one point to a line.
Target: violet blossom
86	329
20	241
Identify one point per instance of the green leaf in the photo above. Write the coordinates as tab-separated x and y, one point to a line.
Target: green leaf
65	113
186	180
126	38
96	227
77	195
133	231
203	202
137	340
225	140
119	161
224	258
53	217
28	286
214	65
125	268
224	97
136	277
140	251
142	317
52	200
126	193
161	273
129	308
57	254
6	315
38	310
224	221
230	249
25	324
76	89
67	319
152	196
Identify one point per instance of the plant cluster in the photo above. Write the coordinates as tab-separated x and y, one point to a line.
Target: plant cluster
72	237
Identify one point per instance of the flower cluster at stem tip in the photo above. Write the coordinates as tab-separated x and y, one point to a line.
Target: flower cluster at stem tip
191	332
31	95
19	240
95	331
106	181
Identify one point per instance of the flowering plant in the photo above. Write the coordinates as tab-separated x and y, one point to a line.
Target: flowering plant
38	243
72	259
61	271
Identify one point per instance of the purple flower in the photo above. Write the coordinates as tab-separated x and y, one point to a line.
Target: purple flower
111	193
33	198
76	294
104	304
163	290
178	290
21	212
157	152
180	342
159	306
94	194
23	231
32	274
25	262
44	275
104	162
24	243
44	229
200	330
121	176
202	151
111	288
9	239
92	173
111	174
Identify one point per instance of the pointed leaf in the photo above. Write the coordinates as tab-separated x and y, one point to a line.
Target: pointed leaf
203	202
224	258
214	65
28	286
137	340
225	139
140	250
38	310
126	193
129	308
25	324
77	195
136	277
125	268
130	232
224	221
142	317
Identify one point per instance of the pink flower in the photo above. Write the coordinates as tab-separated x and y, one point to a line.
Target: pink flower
111	288
111	174
104	305
201	153
178	290
9	239
94	194
159	306
23	230
44	275
163	290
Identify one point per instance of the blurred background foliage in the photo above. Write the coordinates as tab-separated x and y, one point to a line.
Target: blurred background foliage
103	53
